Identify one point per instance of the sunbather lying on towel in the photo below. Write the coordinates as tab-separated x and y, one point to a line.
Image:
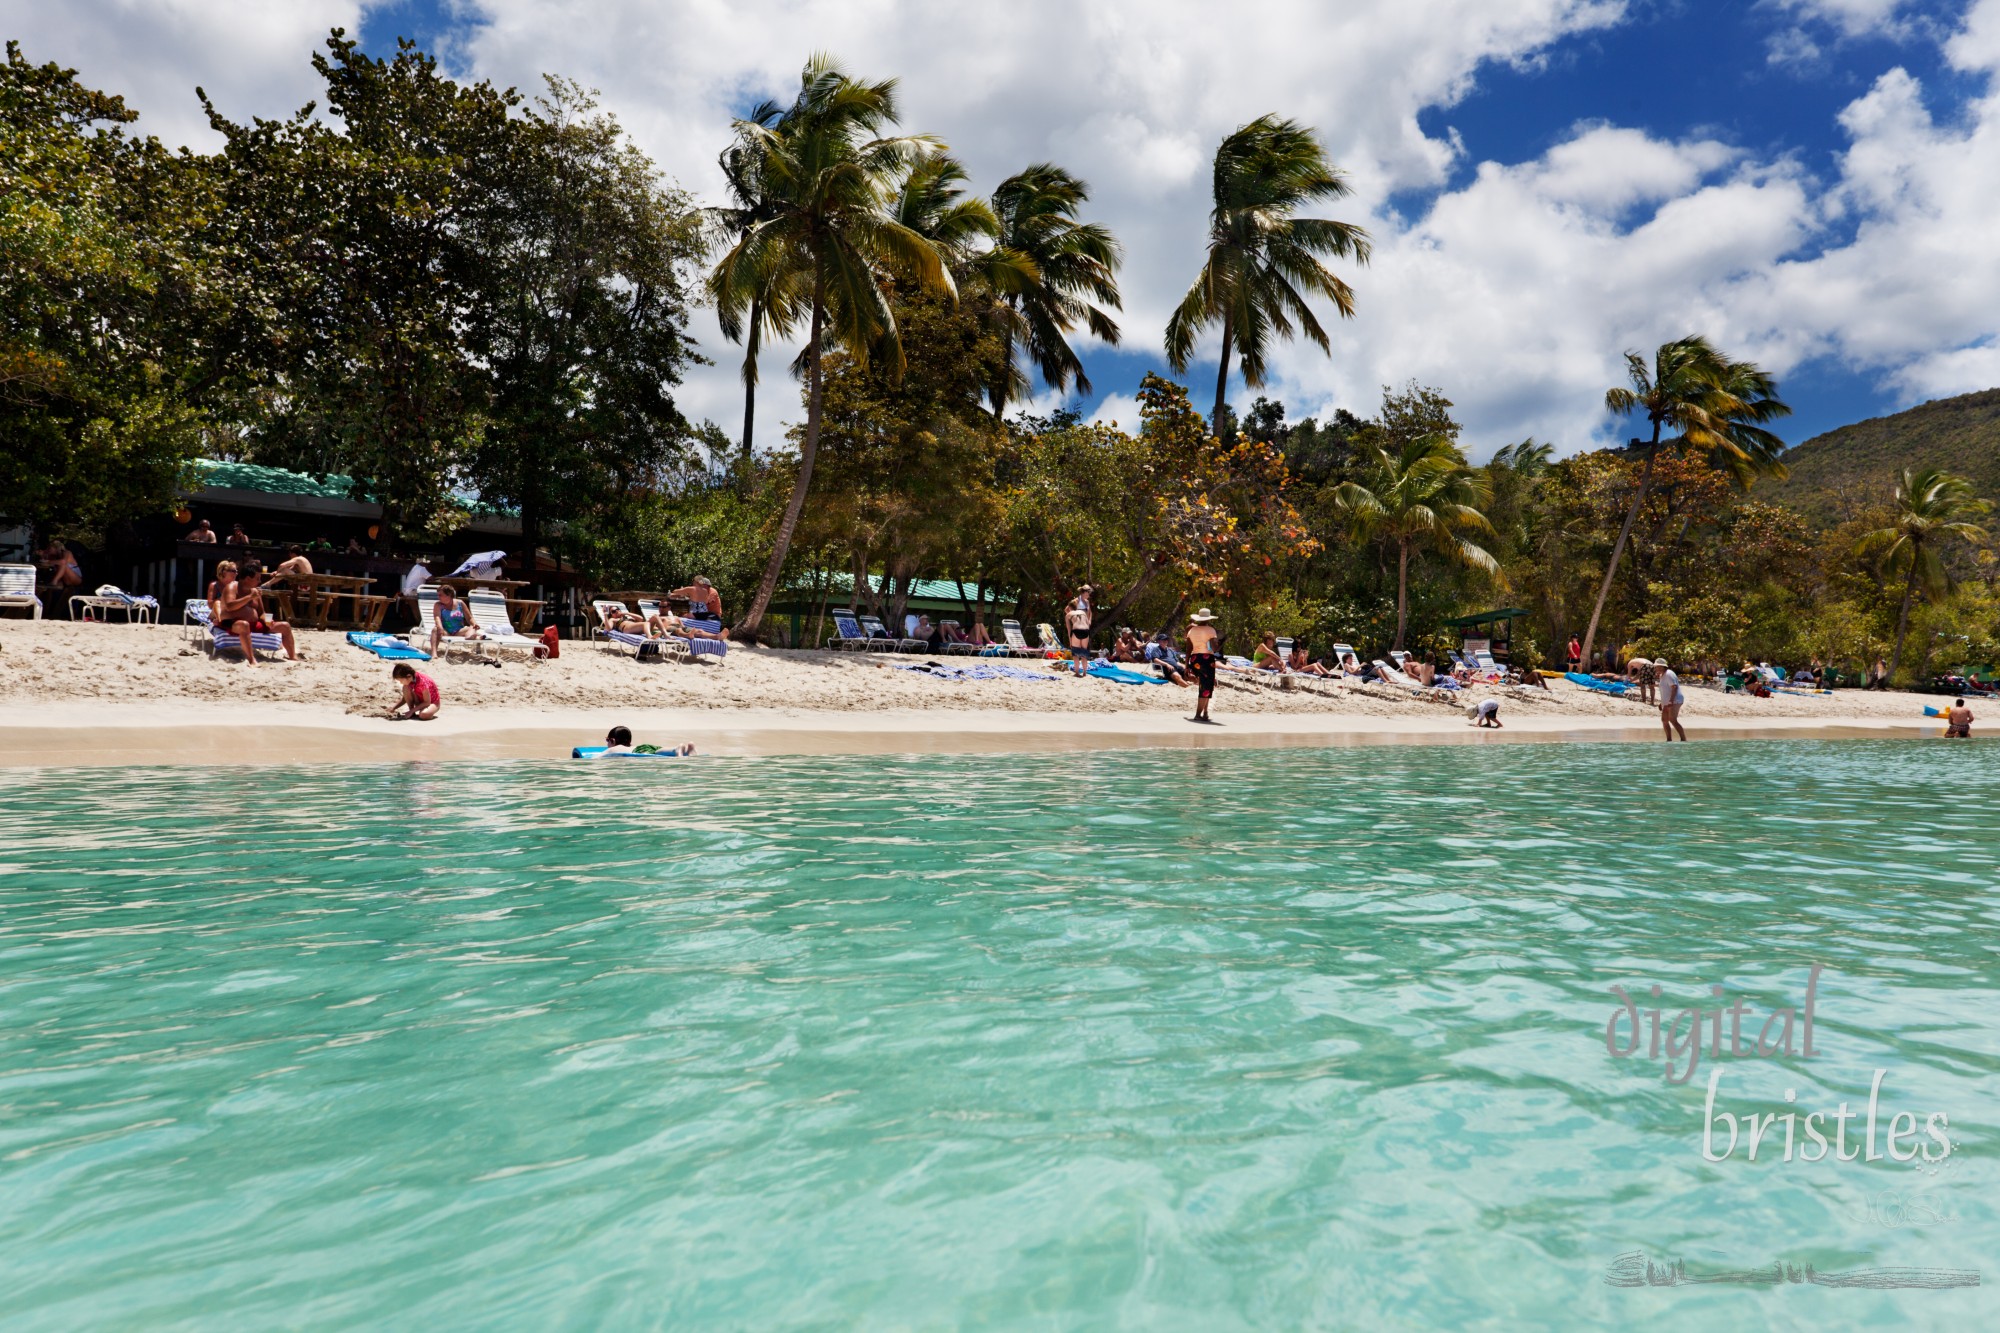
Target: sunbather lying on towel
627	622
668	623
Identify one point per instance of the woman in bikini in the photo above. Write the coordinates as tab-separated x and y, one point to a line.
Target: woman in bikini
451	618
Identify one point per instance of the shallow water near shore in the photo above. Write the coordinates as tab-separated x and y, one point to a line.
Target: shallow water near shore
1179	1039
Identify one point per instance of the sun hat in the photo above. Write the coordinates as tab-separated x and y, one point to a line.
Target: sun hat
1202	617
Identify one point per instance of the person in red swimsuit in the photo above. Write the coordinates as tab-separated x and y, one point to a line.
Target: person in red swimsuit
417	693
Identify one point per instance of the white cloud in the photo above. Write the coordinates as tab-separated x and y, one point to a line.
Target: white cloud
1854	18
1516	290
252	56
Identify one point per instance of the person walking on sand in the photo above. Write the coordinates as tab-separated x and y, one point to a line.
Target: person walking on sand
1202	641
1671	699
1076	621
1958	721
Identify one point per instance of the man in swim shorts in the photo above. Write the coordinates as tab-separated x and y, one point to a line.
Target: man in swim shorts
1202	641
1958	721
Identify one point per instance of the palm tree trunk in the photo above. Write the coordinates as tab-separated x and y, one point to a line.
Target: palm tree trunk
1402	591
1221	387
1139	585
1618	548
1903	619
750	375
746	629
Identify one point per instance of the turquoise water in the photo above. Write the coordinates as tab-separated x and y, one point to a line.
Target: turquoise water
1200	1040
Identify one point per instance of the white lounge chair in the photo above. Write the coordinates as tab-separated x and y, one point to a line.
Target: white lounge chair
951	647
17	588
420	635
877	630
697	645
489	612
1017	642
847	632
1343	656
643	646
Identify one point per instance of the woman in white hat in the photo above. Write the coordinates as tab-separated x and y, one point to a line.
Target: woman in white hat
1201	641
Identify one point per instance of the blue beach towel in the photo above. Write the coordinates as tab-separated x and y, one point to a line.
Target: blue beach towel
386	646
1106	671
1614	688
971	671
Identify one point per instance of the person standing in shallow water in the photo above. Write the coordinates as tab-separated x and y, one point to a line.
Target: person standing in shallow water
1201	641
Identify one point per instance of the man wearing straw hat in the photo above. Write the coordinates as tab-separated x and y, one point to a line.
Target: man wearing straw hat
1201	640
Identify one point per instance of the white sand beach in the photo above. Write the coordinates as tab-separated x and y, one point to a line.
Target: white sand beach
95	693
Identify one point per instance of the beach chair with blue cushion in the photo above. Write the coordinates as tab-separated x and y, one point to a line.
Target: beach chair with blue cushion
17	589
645	647
847	632
227	641
697	646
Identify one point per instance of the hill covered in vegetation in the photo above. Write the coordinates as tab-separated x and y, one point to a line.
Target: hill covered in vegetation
1835	475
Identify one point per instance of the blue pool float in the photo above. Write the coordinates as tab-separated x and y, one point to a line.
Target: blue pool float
597	752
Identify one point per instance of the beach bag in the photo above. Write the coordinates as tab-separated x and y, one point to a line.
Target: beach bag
551	643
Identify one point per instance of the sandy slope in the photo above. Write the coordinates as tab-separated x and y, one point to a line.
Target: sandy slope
64	686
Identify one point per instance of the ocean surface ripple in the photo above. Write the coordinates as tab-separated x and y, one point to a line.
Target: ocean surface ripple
1211	1039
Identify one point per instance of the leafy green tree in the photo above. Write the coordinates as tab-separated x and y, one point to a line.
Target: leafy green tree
1933	509
1068	273
1263	260
101	277
577	318
1715	406
827	170
362	242
907	463
1421	497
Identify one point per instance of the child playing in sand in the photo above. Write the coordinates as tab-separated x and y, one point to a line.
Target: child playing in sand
1485	713
418	694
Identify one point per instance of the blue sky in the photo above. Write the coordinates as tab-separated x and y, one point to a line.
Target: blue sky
1549	182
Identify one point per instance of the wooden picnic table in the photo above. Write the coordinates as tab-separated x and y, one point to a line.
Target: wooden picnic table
316	595
465	583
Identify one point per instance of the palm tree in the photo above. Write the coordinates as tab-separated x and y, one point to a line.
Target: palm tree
1715	406
1420	497
774	312
1932	507
1069	265
1262	261
827	173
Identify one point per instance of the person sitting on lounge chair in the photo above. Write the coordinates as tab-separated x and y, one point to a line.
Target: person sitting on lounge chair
1267	657
979	637
1166	661
1127	648
1303	665
1350	665
451	618
240	611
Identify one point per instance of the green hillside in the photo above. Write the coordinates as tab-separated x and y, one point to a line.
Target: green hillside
1836	474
